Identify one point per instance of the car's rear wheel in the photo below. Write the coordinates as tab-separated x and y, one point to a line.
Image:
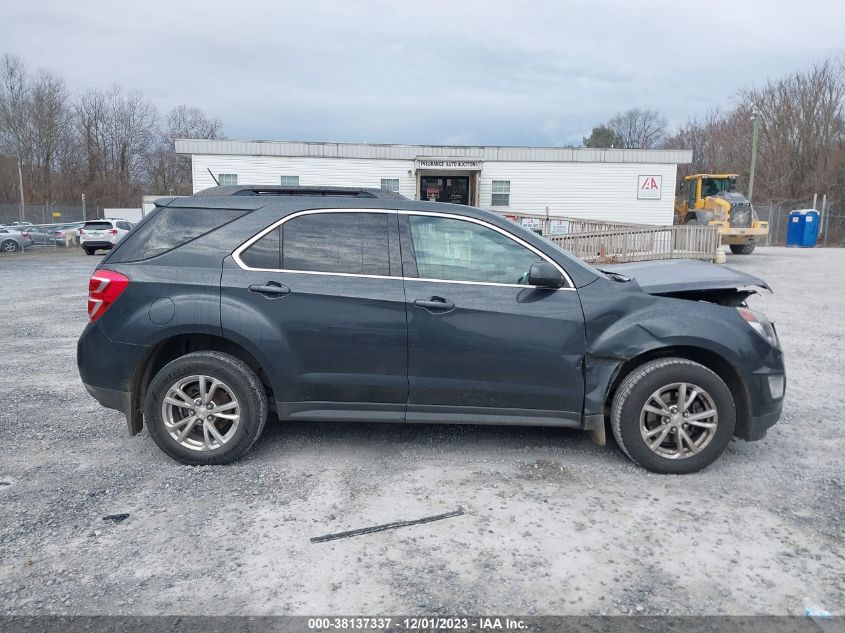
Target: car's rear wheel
9	246
88	251
672	415
205	408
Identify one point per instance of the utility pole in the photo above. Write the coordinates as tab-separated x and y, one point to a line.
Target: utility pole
84	218
754	132
20	186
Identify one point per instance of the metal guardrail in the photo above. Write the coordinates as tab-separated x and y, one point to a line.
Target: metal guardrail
602	241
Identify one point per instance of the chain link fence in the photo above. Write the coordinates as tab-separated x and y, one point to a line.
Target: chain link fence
831	222
45	214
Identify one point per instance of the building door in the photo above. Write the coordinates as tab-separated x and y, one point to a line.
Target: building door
453	189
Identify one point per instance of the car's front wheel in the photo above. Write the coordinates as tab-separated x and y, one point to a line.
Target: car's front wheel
9	246
672	415
205	408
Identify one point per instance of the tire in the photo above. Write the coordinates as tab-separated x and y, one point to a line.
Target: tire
742	249
630	421
238	381
89	251
9	246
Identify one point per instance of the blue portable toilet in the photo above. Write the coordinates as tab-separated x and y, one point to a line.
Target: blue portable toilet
810	232
803	228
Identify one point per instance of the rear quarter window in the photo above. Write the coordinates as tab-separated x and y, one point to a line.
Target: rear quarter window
169	228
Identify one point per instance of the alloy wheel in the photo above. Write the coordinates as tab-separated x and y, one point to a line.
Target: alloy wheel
200	412
678	420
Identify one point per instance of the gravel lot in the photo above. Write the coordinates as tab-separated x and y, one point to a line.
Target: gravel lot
553	524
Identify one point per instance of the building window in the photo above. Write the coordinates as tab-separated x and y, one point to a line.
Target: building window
290	181
227	179
501	193
390	184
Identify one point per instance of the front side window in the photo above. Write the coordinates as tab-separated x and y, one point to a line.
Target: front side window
390	184
355	243
227	179
501	193
290	181
457	250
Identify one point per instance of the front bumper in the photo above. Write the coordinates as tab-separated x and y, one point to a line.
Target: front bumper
766	387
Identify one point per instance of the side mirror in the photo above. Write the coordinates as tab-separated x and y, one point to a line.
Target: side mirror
544	275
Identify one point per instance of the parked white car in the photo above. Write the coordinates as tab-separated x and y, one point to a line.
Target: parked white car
102	234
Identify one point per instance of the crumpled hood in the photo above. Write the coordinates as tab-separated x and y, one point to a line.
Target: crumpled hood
682	275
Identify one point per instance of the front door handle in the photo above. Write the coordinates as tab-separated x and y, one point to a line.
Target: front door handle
435	303
270	289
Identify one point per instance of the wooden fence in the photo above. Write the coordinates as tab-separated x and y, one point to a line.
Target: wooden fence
600	241
639	243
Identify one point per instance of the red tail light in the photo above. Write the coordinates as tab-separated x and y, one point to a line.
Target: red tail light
25	234
81	232
113	231
103	288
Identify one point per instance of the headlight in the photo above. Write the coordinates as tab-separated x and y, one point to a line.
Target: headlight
760	324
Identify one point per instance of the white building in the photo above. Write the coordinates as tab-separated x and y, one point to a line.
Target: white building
607	184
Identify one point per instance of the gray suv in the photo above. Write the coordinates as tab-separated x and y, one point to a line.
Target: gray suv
359	305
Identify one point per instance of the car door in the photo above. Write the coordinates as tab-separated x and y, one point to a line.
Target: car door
320	293
483	346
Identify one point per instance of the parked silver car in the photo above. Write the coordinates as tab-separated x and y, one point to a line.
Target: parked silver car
12	240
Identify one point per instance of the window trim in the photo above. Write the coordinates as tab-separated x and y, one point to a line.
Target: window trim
220	177
398	184
283	176
236	254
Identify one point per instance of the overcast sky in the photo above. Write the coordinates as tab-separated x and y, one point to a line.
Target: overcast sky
485	72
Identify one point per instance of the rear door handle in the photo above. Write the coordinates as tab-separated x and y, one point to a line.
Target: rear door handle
435	303
270	289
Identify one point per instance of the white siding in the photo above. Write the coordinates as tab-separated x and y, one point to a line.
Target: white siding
603	191
338	172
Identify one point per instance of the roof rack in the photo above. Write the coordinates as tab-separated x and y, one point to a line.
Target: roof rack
275	190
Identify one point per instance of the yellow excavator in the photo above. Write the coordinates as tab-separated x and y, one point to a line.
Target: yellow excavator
713	199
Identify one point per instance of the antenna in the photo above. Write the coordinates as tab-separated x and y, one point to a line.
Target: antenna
212	177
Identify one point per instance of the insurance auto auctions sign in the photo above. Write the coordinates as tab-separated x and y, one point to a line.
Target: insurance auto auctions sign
649	187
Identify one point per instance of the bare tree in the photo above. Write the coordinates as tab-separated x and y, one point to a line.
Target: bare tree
15	106
168	172
802	132
50	117
118	131
639	129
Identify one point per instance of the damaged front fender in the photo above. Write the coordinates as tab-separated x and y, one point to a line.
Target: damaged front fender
623	323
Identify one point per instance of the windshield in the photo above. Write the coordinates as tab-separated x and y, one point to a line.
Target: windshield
715	186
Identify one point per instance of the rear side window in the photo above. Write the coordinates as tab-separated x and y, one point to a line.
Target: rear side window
166	229
97	226
355	243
